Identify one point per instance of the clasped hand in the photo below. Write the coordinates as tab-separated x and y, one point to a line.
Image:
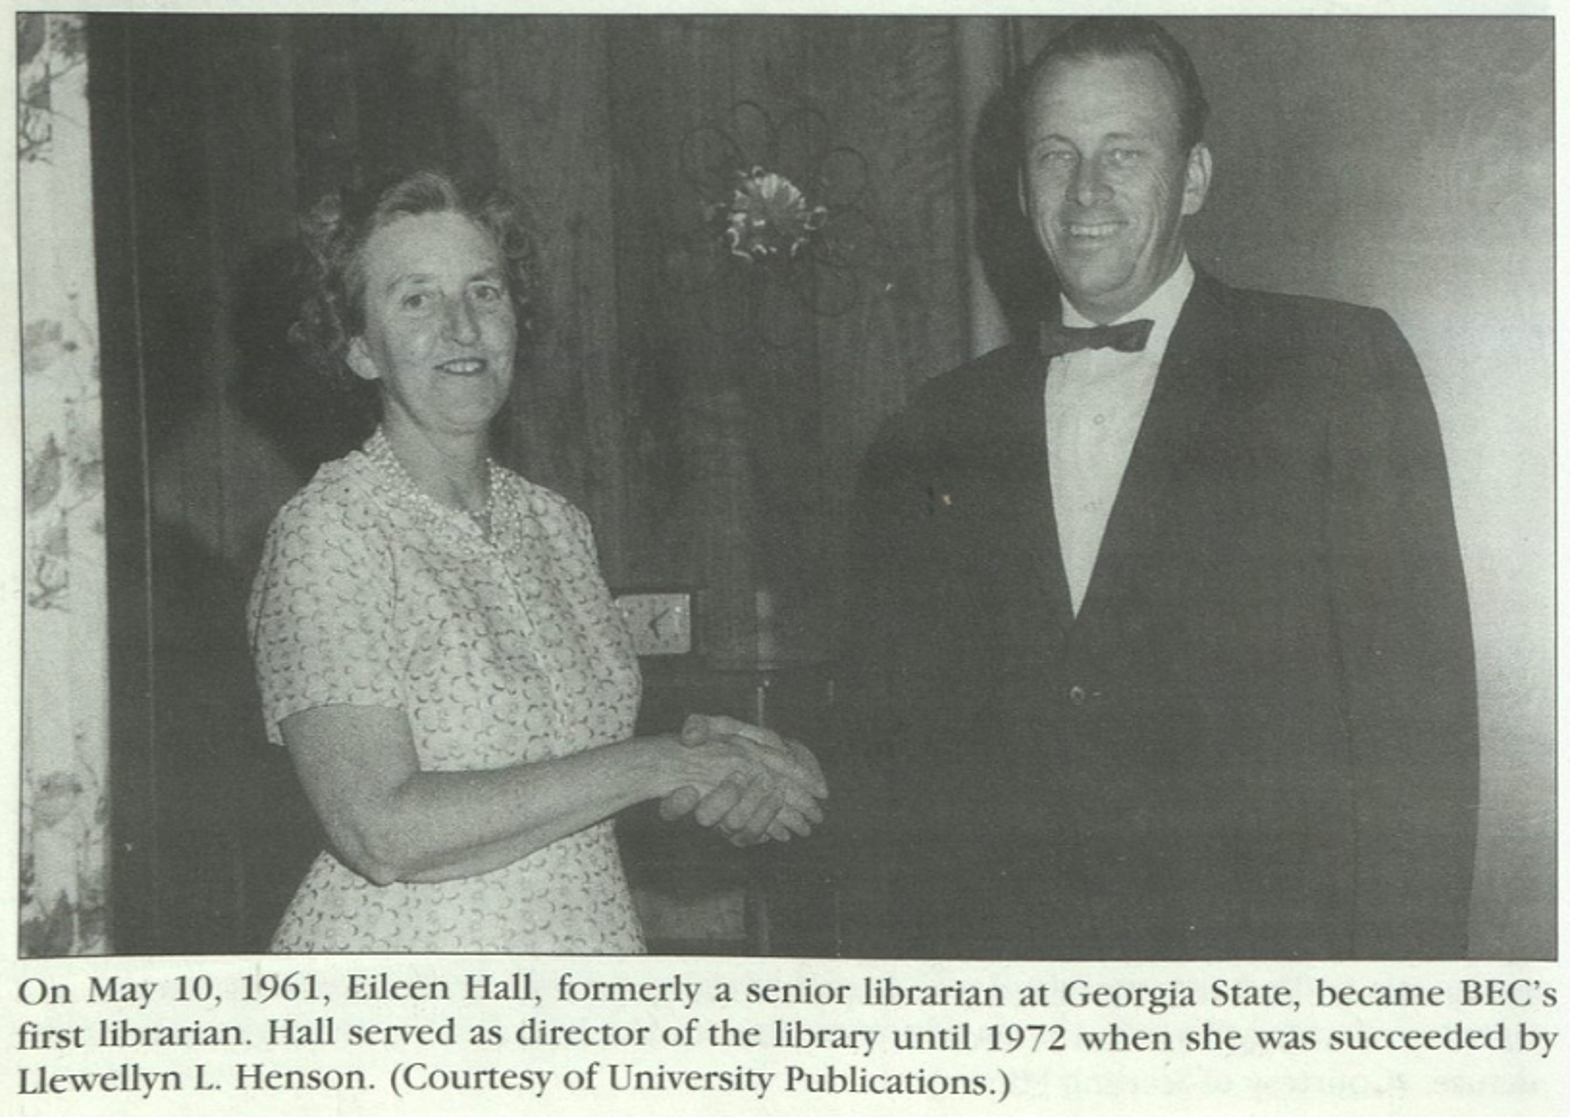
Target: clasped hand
750	782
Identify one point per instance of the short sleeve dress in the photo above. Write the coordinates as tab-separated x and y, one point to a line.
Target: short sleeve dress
499	650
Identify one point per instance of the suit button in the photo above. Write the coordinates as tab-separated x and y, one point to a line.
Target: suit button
1076	694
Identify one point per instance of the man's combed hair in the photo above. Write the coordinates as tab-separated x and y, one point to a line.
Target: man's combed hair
1119	37
334	234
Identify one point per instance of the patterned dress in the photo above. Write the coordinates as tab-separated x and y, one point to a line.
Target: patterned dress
499	651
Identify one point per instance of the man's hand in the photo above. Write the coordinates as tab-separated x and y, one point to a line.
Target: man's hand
768	804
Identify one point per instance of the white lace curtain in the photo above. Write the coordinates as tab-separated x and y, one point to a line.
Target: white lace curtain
65	738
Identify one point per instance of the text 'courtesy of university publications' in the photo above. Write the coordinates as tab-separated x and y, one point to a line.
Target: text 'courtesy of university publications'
578	1026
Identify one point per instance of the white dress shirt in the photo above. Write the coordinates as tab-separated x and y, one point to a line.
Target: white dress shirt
1095	401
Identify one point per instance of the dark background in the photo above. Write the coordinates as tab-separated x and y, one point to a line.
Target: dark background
709	417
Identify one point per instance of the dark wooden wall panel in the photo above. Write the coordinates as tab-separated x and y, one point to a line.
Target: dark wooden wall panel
894	88
751	446
539	87
668	77
216	854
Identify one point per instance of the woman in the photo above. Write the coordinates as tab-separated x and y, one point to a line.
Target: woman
434	643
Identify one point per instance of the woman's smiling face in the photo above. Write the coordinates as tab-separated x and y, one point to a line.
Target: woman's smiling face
440	330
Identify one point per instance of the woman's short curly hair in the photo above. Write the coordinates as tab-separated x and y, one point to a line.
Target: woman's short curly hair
334	234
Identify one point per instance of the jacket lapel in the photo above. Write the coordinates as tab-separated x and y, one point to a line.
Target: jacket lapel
1016	430
1183	396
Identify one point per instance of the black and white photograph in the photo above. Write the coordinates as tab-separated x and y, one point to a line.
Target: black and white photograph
809	487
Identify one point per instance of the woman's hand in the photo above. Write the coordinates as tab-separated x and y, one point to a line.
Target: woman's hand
390	820
752	804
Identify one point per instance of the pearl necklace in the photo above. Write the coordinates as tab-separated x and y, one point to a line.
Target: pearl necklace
379	449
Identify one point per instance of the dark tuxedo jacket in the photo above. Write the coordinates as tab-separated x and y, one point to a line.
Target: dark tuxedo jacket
1259	736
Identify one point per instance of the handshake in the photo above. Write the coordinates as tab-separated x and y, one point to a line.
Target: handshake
750	782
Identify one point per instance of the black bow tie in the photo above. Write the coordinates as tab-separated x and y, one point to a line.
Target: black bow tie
1125	337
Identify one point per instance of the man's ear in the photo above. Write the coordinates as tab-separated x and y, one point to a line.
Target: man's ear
1196	179
359	361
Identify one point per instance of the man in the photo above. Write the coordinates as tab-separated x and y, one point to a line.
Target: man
1161	645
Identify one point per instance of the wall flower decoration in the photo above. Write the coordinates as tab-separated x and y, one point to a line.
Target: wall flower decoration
780	235
767	219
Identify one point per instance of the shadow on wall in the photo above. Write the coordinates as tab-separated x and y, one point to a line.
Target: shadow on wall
306	418
1017	270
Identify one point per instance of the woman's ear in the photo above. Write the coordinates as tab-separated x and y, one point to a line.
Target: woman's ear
359	361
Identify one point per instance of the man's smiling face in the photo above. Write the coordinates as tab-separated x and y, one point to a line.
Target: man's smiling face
1106	182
